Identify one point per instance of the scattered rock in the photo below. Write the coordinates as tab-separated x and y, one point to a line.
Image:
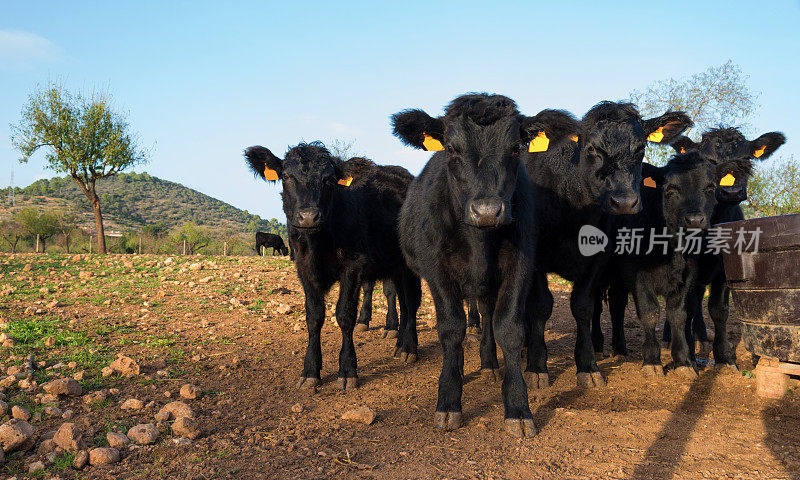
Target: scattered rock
180	442
47	446
284	309
15	370
21	413
27	267
81	459
68	415
360	414
103	456
52	411
63	386
297	408
69	437
190	392
186	427
48	399
162	416
107	371
79	375
15	433
35	467
126	366
144	434
195	267
132	404
84	274
117	440
3	408
178	409
94	397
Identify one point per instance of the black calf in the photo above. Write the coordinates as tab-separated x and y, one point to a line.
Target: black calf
733	156
579	183
365	315
270	240
467	228
344	230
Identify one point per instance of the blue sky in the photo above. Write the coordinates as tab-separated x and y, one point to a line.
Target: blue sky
202	80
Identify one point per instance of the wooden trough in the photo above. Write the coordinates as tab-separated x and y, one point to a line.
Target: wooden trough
763	274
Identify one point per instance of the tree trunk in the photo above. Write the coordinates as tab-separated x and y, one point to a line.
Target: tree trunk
66	243
94	200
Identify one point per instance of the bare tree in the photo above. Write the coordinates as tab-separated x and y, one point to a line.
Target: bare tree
344	149
12	232
774	188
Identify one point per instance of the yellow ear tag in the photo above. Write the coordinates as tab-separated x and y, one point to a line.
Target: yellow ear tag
270	174
431	144
683	150
727	181
760	151
656	136
345	181
649	182
539	144
574	138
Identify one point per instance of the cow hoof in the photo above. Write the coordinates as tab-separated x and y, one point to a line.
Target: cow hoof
598	356
361	327
726	368
591	379
490	374
520	427
388	333
474	330
347	383
447	420
308	383
653	370
537	380
408	357
686	372
705	348
620	357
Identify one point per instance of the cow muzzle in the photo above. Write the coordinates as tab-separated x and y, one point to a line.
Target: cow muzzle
486	213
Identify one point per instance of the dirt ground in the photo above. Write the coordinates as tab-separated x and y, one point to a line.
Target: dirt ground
217	327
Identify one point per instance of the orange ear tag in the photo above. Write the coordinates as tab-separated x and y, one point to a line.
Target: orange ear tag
574	138
727	181
649	182
656	136
760	151
270	174
431	144
683	150
345	181
539	144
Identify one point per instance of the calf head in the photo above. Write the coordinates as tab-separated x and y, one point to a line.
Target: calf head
482	137
733	155
611	145
309	174
687	184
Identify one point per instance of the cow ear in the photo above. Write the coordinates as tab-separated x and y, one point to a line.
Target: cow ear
665	128
652	176
263	163
683	144
355	168
765	145
548	127
418	129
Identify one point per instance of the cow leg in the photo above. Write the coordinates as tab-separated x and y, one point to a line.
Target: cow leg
451	324
508	322
538	308
597	330
676	316
409	292
390	292
694	309
718	308
315	318
698	322
647	309
490	367
364	317
473	317
582	305
346	309
617	303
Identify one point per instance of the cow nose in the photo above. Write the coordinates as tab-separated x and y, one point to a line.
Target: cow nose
623	204
487	212
308	217
695	220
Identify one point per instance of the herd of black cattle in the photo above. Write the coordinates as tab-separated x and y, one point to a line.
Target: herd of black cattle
498	207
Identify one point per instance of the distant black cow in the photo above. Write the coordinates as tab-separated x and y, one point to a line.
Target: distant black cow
579	183
342	222
733	156
678	201
270	240
467	228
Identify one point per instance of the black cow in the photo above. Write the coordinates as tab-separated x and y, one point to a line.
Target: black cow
270	240
578	183
733	156
365	315
346	231
467	228
679	200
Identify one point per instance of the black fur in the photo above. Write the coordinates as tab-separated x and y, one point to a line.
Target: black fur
270	240
345	234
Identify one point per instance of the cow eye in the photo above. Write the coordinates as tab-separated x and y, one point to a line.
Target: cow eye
450	150
590	149
671	191
710	189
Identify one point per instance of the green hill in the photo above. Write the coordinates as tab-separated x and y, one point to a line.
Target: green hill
132	200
